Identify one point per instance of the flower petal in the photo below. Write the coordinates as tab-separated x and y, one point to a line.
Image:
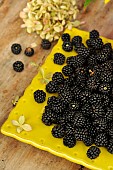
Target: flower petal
15	123
21	120
27	127
19	129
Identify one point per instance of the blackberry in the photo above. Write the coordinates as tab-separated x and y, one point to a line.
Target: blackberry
105	100
18	66
108	66
67	70
62	88
85	96
92	131
57	105
92	60
51	87
58	131
106	77
79	120
94	34
95	99
103	55
110	131
58	77
80	134
73	106
107	46
83	51
96	44
100	124
69	129
105	88
29	51
59	58
70	116
92	84
69	141
46	44
50	99
75	61
109	114
88	141
93	152
86	110
66	97
16	48
76	93
48	117
110	146
65	37
67	46
98	111
76	40
101	140
39	96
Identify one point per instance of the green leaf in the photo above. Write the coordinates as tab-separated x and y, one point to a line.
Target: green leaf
87	2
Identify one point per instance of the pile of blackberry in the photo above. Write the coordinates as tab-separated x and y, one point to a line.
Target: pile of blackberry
81	108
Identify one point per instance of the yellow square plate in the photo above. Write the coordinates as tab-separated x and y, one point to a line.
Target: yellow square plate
40	135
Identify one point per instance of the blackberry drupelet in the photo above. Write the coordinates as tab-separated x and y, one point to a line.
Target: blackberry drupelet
59	58
105	88
65	37
16	48
18	66
58	77
67	46
58	131
46	44
76	40
67	70
110	146
80	134
93	152
69	141
29	52
39	96
88	141
101	140
51	87
94	34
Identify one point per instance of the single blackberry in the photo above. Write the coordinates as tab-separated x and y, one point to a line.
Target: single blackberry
109	114
62	88
76	40
105	100
85	96
18	66
67	70
65	37
98	111
69	141
80	134
94	34
50	99
88	141
100	124
16	48
93	152
75	61
66	97
107	46
86	110
51	87
69	129
39	96
48	116
58	77
107	66
73	106
29	51
110	146
76	93
67	46
105	88
92	84
103	55
63	120
96	44
101	140
92	60
110	130
58	131
106	77
59	58
46	44
79	120
83	51
57	105
95	99
92	131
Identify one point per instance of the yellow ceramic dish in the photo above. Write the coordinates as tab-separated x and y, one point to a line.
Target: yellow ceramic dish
40	135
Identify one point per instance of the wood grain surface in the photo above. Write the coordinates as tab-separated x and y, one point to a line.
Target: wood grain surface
15	155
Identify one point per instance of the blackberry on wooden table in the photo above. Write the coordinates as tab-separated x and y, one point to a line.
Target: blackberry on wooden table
29	51
93	152
39	96
16	48
59	58
18	66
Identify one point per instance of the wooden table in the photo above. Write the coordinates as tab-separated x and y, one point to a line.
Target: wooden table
15	155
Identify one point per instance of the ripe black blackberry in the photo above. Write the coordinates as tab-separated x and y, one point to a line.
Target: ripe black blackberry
16	48
48	117
92	60
110	146
74	105
92	84
66	97
107	66
96	44
98	111
108	46
46	44
105	88
65	37
83	51
69	141
51	87
69	129
101	140
76	93
92	131
105	100
18	66
57	105
85	96
106	77
29	52
62	88
39	96
88	141
110	130
67	70
103	55
109	114
100	124
76	40
59	58
67	46
86	110
75	61
58	77
58	131
95	99
93	152
50	99
80	134
94	34
79	120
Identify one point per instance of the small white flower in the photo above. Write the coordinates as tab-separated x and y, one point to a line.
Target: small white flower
21	124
